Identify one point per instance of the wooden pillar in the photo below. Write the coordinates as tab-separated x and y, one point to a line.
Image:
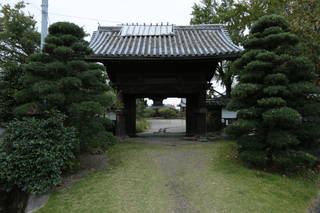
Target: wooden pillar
129	102
120	122
201	114
190	116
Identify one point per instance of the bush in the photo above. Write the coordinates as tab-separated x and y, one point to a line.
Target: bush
255	158
34	152
94	136
291	161
148	112
168	113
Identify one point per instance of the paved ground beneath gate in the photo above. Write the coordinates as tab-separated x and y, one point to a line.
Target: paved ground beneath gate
169	126
164	132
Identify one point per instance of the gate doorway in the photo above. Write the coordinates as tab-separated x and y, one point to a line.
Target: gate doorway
163	116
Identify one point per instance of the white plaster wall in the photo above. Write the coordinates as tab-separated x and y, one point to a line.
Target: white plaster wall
228	114
1	131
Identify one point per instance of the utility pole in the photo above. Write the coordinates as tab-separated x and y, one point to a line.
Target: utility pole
44	22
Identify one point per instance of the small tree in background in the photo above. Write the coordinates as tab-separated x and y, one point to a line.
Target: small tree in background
240	15
274	94
60	79
140	107
18	40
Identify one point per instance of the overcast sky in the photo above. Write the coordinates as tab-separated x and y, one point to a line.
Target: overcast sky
89	13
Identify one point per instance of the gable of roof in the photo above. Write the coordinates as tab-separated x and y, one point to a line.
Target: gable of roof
170	41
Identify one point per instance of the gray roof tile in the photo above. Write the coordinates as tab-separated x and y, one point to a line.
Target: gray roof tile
147	41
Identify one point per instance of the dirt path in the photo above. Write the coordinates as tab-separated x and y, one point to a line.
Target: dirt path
174	165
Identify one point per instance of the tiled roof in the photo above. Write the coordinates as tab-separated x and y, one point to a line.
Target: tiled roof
217	101
152	41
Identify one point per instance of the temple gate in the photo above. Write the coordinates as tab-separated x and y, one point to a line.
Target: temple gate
161	61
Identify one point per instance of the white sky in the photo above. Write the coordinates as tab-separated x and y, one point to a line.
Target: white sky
112	12
88	14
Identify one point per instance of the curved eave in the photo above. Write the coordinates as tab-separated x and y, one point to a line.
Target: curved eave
167	58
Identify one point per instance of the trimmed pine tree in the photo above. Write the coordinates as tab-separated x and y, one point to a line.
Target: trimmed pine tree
276	99
59	78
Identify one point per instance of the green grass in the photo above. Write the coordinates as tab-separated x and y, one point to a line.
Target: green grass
142	125
219	183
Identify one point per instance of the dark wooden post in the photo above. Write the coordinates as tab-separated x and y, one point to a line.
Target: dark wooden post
121	123
201	115
130	114
190	116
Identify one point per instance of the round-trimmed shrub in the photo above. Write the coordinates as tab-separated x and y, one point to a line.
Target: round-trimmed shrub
293	160
59	78
33	153
275	98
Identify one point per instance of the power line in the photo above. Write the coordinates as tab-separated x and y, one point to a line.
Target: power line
86	18
78	17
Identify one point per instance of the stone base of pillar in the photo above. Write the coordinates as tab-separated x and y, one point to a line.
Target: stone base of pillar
202	139
122	138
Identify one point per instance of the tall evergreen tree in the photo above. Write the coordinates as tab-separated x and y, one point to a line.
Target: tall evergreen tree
60	79
274	95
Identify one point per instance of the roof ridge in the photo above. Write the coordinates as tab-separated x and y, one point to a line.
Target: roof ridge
193	26
109	28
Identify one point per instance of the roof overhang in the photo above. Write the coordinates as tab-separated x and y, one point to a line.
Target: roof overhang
152	43
168	58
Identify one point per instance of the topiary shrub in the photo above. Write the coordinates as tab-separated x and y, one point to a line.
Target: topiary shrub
93	135
33	153
59	78
274	94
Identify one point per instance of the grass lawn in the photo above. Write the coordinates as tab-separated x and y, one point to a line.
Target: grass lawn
204	178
